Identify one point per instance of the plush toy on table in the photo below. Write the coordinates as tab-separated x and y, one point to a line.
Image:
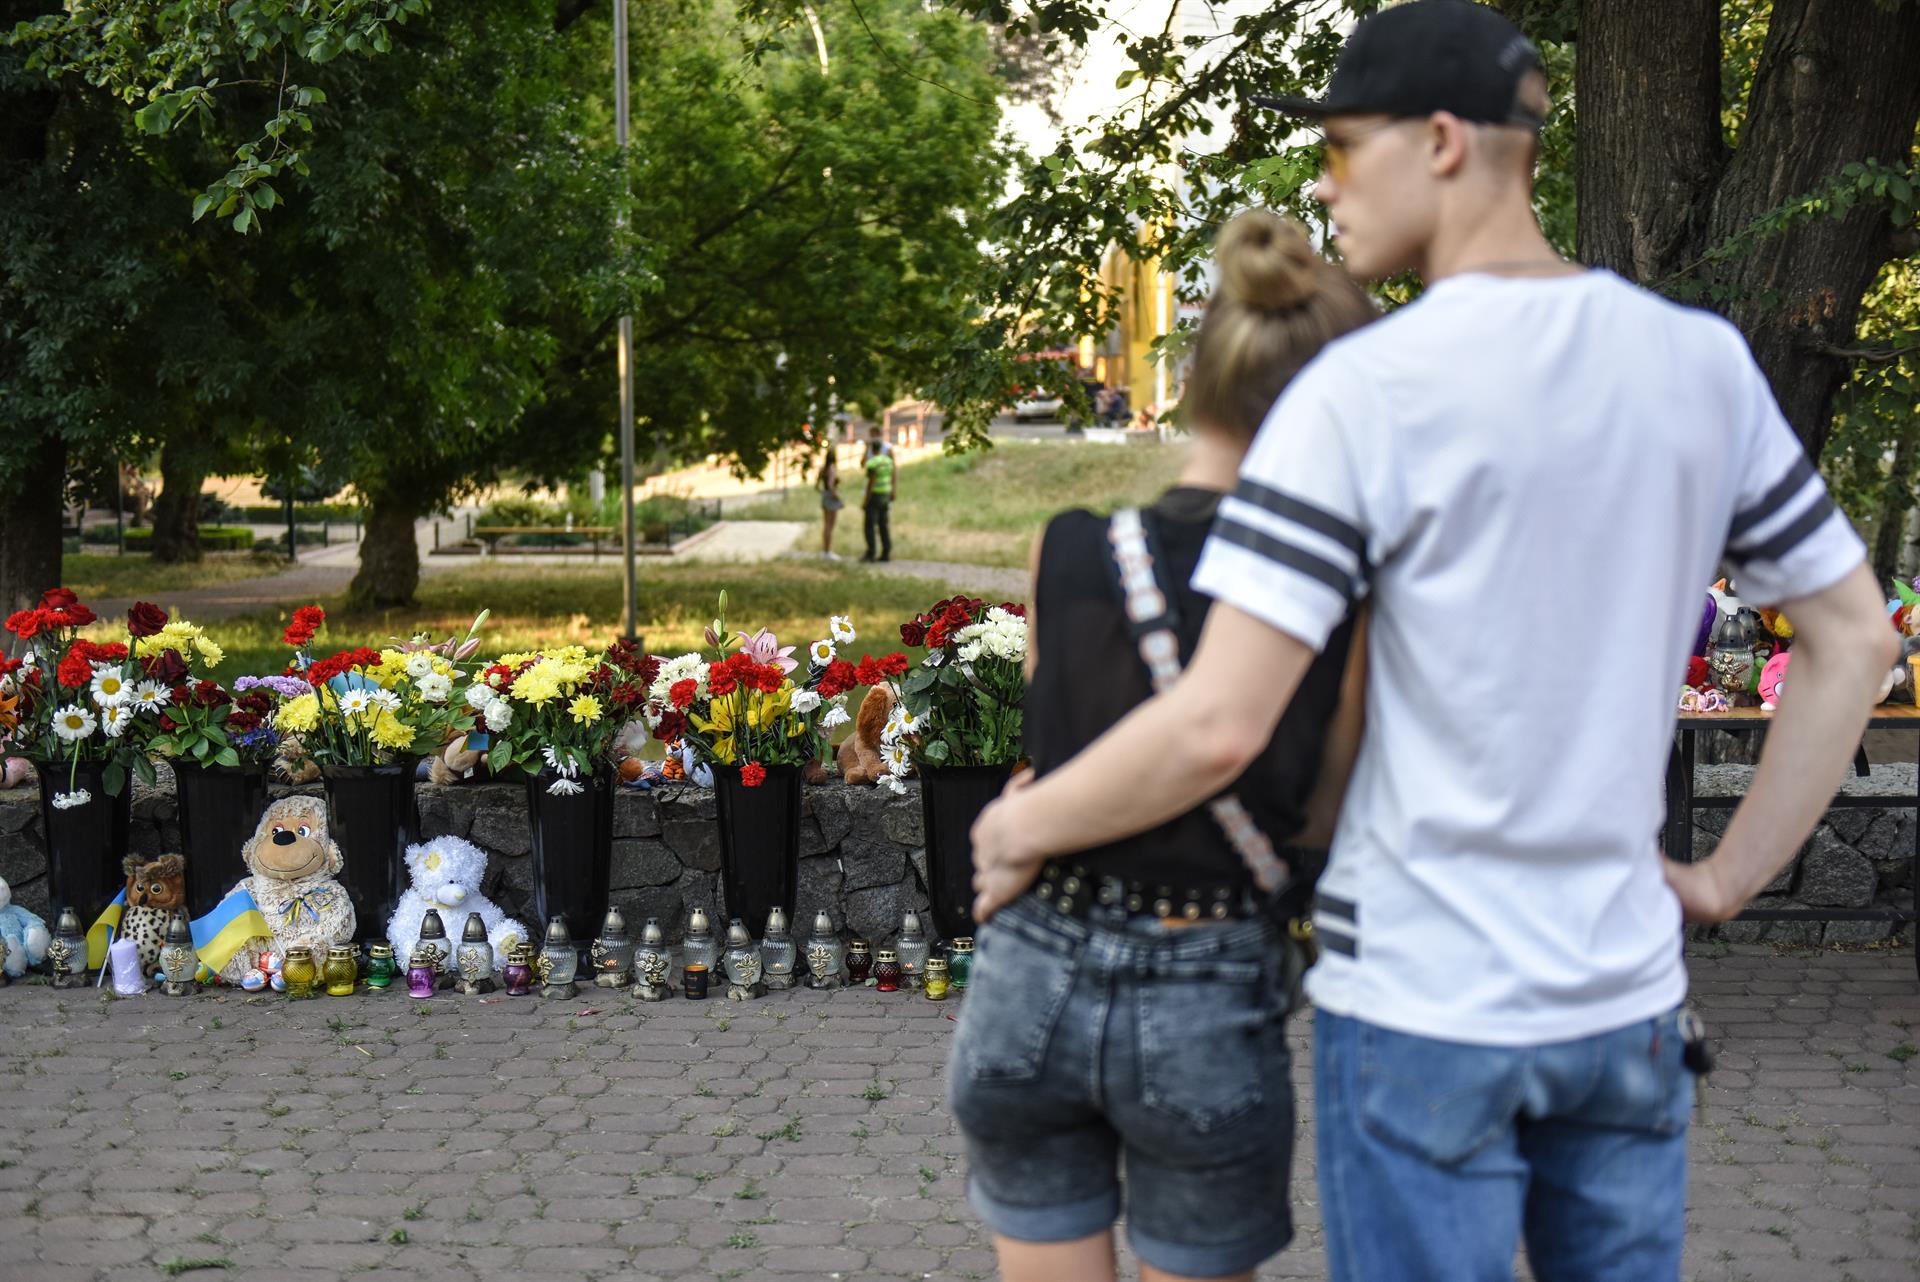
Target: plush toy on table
859	753
1773	680
446	873
294	863
155	889
25	934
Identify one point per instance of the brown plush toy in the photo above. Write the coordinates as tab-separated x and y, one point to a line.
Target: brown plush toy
859	753
155	887
456	761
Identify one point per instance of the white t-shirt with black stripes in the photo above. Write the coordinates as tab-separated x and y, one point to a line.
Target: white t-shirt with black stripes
1532	481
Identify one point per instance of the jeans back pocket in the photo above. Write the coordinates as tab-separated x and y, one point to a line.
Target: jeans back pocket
1443	1101
1207	1046
1014	1000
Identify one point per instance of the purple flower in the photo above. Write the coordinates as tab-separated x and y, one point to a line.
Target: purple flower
285	687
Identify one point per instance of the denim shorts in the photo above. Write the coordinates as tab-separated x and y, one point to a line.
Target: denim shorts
1084	1044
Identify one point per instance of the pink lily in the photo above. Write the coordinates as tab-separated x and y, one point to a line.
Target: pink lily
766	648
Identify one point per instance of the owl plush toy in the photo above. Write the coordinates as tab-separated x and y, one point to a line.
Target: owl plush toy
155	888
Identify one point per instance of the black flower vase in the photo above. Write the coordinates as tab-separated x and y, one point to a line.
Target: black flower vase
220	806
572	849
86	844
759	842
951	798
370	813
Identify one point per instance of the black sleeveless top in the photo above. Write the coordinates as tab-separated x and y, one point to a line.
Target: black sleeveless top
1088	675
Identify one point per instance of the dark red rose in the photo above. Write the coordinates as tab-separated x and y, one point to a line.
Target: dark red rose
58	599
145	619
167	667
672	726
168	724
914	633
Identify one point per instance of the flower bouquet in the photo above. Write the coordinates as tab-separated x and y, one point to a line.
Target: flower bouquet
198	721
364	707
962	705
72	701
562	710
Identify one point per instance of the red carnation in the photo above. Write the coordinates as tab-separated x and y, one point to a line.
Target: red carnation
112	652
179	695
752	775
837	679
243	722
682	693
1697	674
306	621
720	679
895	664
168	724
211	695
8	666
74	670
26	624
145	619
72	616
868	673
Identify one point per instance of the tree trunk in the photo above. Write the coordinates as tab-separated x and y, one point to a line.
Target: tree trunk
389	557
30	518
1836	83
1890	535
176	513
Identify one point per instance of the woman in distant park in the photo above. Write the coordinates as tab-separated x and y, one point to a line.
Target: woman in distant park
1131	1004
828	483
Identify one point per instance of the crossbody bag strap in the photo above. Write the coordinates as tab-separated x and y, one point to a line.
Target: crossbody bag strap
1152	615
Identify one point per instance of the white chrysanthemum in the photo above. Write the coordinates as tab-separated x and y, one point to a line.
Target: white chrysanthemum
151	696
969	652
435	688
836	717
562	764
68	800
116	719
804	701
564	787
355	702
74	722
479	695
822	653
499	715
680	668
842	629
420	666
110	688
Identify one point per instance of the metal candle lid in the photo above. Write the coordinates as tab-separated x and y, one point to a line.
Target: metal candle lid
476	931
615	926
698	923
822	924
777	922
557	931
431	927
177	930
886	955
737	935
651	935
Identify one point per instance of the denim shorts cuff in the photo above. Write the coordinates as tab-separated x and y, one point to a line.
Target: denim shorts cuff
1067	1222
1212	1261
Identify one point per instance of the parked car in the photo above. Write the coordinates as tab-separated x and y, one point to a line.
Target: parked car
1043	407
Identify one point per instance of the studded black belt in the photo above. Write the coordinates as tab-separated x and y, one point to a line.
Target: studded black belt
1076	890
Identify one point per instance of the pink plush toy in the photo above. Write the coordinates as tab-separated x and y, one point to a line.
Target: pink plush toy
17	773
1773	680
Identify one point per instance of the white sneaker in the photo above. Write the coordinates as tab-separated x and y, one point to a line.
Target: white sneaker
831	556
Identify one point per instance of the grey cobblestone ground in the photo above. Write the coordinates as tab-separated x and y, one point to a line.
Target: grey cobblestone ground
803	1136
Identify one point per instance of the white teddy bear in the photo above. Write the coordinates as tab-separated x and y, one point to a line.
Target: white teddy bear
446	874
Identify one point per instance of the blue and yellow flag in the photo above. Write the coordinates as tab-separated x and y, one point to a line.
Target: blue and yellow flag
233	921
104	931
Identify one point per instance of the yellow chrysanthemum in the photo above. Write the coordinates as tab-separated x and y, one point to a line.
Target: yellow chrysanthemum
390	731
298	715
178	634
585	709
538	684
209	650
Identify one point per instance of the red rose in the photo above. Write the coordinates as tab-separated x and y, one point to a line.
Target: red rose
72	616
26	624
1697	674
752	775
58	599
1016	610
168	724
914	633
145	619
894	664
75	672
167	667
682	693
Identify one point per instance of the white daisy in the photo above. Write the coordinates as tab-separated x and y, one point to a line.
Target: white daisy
895	755
74	722
842	628
110	688
479	696
68	800
355	702
821	653
151	696
436	688
499	715
804	701
893	785
564	787
385	699
562	764
116	719
420	666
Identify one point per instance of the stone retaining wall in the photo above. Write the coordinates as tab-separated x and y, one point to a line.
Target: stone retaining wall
861	852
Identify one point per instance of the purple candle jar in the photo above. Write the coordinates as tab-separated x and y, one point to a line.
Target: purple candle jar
517	975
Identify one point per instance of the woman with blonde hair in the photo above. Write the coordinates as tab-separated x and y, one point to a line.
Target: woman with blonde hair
1129	1008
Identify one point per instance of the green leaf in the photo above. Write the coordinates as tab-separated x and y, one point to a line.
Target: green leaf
499	755
936	753
115	778
243	220
201	204
227	757
152	118
143	766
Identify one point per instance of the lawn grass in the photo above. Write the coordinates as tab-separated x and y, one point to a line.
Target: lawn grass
97	576
534	606
986	508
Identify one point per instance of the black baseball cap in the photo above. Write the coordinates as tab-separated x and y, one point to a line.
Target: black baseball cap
1426	56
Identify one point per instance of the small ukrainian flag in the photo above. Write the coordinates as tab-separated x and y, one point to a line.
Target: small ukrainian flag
223	931
105	929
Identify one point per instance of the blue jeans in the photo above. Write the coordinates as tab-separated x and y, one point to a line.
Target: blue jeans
1436	1157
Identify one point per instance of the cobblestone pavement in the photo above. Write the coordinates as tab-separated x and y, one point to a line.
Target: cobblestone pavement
803	1136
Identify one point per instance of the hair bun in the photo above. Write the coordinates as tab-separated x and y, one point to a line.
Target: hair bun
1266	261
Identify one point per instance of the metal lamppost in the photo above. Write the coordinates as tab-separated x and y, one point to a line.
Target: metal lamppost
630	587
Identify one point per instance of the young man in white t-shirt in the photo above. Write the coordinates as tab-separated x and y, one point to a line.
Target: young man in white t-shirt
1497	1039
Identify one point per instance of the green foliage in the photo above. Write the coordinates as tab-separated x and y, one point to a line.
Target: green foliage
213	538
1878	411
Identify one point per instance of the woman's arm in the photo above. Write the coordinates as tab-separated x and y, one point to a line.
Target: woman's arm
1033	595
1342	745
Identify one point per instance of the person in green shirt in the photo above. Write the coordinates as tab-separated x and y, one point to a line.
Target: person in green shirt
879	497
